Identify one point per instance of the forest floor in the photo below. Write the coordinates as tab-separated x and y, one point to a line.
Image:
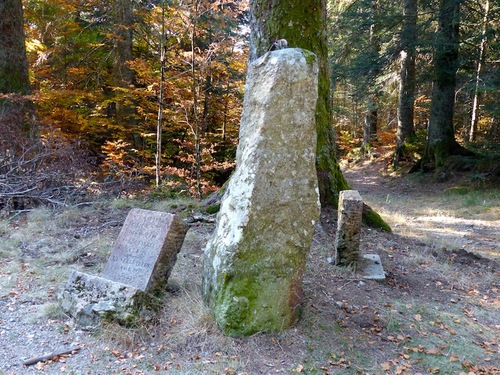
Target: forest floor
438	311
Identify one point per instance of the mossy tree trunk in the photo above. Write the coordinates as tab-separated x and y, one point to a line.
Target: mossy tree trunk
441	141
17	121
14	76
303	24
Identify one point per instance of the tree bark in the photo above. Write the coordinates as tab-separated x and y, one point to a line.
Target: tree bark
441	141
303	24
371	101
480	62
123	76
14	77
407	81
124	20
371	123
17	116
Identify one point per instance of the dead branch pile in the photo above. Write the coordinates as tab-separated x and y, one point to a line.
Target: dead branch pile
36	169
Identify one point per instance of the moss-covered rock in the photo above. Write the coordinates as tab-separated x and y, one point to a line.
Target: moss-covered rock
374	220
254	262
90	299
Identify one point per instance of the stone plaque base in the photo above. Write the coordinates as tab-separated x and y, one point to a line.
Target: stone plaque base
90	298
371	267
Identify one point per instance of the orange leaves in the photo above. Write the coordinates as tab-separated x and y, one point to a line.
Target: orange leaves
479	370
299	368
397	366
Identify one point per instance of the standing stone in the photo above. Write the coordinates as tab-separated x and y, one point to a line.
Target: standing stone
348	228
146	250
254	262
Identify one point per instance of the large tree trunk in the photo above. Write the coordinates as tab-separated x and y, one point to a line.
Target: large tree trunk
303	24
407	81
441	141
13	62
123	76
371	101
16	111
124	20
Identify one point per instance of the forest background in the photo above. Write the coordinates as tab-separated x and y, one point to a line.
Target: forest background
126	96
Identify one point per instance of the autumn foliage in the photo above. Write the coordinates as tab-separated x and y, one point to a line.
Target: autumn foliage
71	47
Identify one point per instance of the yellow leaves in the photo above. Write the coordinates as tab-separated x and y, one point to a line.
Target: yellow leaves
386	366
468	313
33	45
433	351
299	368
395	366
342	362
477	370
418	317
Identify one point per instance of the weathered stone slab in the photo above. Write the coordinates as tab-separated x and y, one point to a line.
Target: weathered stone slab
254	262
347	239
371	267
146	249
138	268
89	298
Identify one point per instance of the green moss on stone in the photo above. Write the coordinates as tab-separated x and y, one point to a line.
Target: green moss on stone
374	220
257	295
212	209
309	56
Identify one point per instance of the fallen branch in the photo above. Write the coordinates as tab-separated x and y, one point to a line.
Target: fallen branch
46	357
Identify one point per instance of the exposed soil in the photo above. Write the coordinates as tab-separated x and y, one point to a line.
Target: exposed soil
436	312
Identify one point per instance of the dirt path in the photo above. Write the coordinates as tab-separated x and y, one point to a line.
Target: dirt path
454	215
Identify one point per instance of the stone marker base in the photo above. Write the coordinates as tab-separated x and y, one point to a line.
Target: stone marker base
88	299
371	268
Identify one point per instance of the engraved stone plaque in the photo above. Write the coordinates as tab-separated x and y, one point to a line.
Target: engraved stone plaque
146	249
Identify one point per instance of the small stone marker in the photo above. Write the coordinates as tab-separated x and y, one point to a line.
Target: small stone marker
139	266
348	228
146	249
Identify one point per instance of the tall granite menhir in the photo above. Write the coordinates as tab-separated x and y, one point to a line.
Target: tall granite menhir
254	262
